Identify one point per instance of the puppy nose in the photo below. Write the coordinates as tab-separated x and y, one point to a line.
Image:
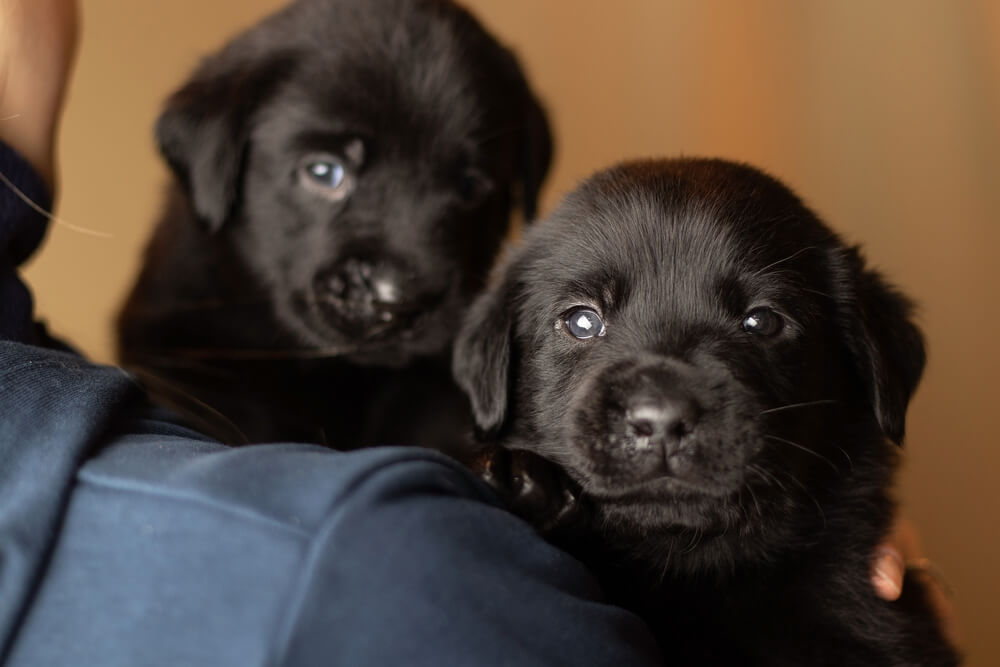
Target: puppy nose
666	421
378	297
356	281
364	295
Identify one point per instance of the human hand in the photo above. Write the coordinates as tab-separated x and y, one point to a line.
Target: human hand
37	48
901	552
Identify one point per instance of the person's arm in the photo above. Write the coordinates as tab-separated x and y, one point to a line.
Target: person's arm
21	231
127	540
37	46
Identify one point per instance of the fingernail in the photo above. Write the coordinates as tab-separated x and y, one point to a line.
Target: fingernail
888	574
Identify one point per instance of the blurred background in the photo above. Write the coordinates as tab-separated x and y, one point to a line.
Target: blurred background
884	116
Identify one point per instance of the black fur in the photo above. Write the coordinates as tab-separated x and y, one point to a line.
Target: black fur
726	477
316	313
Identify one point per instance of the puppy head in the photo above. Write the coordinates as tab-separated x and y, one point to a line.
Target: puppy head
694	347
363	158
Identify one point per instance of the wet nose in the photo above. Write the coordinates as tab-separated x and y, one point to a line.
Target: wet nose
363	295
357	282
664	421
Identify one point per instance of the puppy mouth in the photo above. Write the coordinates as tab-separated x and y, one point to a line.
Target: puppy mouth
628	457
372	302
373	320
626	481
665	503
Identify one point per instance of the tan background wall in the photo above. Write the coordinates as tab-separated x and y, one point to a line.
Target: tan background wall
884	115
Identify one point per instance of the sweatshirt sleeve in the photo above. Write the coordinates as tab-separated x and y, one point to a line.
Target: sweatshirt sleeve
22	229
174	550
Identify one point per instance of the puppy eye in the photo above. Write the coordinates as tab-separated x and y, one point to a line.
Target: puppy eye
327	177
584	323
328	174
763	322
473	187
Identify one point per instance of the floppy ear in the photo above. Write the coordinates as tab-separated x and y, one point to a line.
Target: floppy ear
534	138
481	359
886	344
534	154
204	129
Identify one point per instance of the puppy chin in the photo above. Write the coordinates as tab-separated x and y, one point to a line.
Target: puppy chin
656	498
660	486
657	481
669	505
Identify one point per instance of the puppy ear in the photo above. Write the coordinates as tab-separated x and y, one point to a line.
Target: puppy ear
204	129
481	359
534	138
535	153
887	345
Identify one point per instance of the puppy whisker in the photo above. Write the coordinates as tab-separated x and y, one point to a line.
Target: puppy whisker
695	541
665	570
819	293
805	491
146	311
850	461
140	362
196	409
48	215
196	358
247	354
804	449
822	401
756	504
782	261
766	476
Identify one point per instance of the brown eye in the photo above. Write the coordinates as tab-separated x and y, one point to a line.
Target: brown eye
763	322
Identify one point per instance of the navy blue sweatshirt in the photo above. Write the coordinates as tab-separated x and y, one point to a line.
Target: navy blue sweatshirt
21	231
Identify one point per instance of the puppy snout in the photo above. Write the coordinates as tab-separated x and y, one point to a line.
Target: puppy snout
666	422
366	298
363	297
358	282
661	428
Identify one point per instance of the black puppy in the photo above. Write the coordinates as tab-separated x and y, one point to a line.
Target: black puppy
346	171
718	375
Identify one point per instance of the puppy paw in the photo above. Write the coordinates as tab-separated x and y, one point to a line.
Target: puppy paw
533	488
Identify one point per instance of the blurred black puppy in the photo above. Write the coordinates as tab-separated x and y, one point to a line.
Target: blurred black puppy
346	171
717	374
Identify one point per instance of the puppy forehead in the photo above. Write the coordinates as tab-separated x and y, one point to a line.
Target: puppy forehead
639	250
641	240
412	67
696	235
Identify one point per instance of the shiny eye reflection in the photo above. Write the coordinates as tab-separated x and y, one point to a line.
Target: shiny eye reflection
763	322
326	176
584	323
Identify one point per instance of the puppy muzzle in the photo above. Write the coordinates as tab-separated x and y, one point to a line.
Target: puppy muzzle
664	420
365	299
